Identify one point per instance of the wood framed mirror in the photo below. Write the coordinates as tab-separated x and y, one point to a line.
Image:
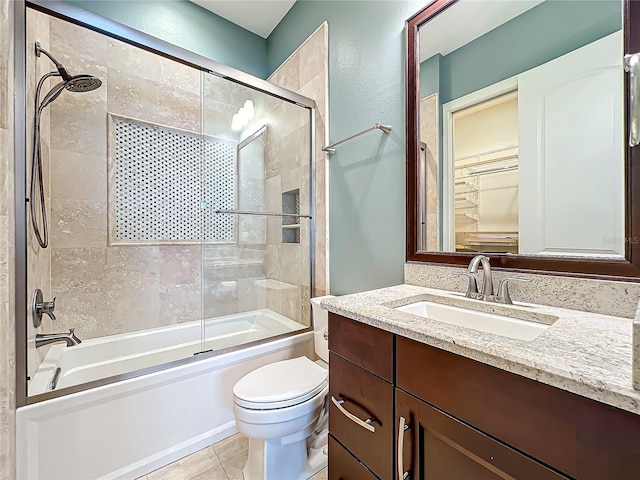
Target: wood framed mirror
571	201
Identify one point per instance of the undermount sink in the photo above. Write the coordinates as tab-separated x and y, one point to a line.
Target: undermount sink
482	321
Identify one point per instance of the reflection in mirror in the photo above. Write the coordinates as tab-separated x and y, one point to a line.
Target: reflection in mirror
521	128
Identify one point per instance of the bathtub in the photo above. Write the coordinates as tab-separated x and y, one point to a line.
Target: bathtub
100	358
129	428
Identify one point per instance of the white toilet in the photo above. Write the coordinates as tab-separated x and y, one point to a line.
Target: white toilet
282	409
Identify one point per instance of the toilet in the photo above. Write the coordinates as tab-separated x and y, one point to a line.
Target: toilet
282	409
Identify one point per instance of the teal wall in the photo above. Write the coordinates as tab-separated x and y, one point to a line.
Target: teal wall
189	26
545	32
367	175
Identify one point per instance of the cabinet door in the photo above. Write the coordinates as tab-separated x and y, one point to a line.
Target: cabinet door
440	447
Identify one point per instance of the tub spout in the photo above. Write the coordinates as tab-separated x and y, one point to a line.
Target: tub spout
69	338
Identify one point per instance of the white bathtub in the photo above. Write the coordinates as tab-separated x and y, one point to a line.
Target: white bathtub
100	358
128	428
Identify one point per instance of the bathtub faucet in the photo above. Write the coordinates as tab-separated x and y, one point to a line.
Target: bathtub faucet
47	338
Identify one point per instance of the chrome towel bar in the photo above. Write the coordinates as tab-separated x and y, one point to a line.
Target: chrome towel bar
331	150
267	214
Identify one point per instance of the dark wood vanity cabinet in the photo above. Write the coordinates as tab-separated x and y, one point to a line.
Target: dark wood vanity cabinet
466	420
572	434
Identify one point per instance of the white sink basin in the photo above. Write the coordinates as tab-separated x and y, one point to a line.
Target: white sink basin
484	322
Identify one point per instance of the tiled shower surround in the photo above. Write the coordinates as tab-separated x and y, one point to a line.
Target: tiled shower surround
306	72
105	288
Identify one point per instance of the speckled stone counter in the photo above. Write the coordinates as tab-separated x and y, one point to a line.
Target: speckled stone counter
584	353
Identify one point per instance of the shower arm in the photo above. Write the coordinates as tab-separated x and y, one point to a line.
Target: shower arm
63	71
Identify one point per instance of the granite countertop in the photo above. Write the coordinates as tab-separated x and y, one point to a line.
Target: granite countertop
584	353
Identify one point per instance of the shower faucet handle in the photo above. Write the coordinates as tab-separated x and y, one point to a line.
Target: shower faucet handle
39	307
48	308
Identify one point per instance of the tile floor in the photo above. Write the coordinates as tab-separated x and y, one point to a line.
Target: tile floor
221	461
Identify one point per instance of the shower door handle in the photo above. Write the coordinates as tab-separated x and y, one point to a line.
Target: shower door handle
264	214
632	65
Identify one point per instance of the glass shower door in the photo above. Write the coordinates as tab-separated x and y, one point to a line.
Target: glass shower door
257	276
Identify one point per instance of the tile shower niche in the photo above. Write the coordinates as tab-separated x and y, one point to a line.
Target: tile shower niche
291	225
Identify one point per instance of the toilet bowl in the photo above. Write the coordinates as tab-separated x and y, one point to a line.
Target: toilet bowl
282	409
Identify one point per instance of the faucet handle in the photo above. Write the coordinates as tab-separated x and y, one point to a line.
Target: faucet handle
502	295
472	286
48	308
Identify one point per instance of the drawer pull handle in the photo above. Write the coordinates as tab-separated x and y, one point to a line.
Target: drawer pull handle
363	423
403	427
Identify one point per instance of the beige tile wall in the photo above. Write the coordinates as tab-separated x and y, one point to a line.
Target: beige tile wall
38	259
7	307
102	289
304	72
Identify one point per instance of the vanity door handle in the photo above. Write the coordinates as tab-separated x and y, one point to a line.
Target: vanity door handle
402	428
632	65
363	423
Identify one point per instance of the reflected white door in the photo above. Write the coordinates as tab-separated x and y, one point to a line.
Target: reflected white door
570	117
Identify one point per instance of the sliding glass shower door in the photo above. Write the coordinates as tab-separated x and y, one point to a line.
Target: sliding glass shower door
256	260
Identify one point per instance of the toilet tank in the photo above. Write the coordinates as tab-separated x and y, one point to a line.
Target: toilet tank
320	325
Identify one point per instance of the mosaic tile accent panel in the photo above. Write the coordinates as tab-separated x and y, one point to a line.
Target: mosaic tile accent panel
163	181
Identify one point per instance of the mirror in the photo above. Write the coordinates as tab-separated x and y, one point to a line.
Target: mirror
516	135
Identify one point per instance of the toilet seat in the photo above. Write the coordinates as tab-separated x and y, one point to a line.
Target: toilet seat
280	384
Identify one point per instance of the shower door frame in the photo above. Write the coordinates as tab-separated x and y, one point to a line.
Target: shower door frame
78	16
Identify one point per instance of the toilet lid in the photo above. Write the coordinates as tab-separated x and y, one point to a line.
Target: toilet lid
280	384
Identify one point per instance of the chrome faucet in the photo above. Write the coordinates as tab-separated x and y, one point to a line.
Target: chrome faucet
47	338
486	293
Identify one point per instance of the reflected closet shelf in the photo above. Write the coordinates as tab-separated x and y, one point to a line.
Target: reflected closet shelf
464	202
463	217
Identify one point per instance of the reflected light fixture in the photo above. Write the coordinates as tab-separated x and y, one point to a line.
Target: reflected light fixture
243	115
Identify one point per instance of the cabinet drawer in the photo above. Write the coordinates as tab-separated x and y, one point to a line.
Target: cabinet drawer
367	346
365	396
344	466
598	441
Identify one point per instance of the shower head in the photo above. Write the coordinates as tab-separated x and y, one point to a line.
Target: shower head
52	95
77	83
82	83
